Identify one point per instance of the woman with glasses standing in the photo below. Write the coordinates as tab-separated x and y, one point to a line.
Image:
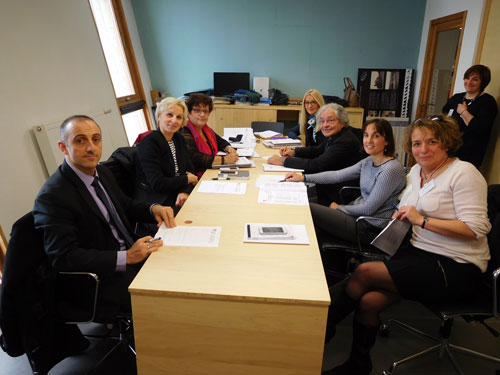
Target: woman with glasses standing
307	129
163	166
448	249
475	112
202	142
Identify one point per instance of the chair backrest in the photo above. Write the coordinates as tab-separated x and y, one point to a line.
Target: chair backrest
261	126
494	235
122	164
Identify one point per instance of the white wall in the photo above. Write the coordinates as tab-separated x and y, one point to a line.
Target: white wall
440	8
51	67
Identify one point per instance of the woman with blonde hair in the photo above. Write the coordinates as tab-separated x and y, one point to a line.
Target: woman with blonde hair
307	130
164	170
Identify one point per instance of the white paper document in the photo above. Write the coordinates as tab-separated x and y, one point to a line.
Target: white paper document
283	197
223	187
285	186
247	152
247	141
278	168
267	134
268	179
391	237
275	233
190	236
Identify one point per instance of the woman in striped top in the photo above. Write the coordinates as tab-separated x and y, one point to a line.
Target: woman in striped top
164	170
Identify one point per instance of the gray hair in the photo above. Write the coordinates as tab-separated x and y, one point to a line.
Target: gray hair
340	113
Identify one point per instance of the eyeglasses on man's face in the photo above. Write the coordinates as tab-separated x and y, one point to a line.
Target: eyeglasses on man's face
328	121
202	111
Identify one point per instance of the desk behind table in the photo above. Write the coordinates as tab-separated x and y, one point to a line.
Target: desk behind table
234	115
240	308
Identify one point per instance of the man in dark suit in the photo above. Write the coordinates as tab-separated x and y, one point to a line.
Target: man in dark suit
86	219
341	149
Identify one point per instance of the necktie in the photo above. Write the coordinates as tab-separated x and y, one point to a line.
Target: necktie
113	217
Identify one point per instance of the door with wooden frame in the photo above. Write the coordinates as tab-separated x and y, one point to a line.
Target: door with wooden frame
441	60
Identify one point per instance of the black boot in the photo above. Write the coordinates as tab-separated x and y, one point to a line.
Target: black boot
359	362
341	306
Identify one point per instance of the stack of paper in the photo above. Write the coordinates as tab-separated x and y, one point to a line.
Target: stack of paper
279	168
277	143
241	163
267	134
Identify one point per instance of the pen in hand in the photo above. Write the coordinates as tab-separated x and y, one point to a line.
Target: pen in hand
153	239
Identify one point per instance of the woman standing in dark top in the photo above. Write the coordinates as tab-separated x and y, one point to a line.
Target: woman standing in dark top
475	112
163	166
202	142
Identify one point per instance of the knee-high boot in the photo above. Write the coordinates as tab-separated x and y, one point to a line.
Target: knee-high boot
341	306
359	361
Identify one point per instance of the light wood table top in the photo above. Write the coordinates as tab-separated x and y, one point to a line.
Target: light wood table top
271	273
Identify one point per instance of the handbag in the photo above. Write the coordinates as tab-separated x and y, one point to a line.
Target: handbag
351	96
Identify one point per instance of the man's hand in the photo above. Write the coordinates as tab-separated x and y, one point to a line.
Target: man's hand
287	151
141	249
164	214
275	160
181	198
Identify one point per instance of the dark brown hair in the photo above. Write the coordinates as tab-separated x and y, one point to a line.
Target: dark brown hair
197	99
483	72
384	128
444	128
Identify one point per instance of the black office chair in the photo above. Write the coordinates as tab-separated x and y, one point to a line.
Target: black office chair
38	310
122	164
261	126
483	306
340	257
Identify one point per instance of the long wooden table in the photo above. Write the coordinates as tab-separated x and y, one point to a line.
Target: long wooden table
240	308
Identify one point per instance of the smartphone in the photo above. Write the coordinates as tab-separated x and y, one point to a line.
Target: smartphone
272	230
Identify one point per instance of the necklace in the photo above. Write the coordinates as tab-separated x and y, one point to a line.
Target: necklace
470	101
426	178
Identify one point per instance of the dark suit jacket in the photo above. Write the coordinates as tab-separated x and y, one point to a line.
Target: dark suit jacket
157	182
340	151
337	152
77	237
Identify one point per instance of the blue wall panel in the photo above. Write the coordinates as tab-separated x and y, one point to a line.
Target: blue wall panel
299	44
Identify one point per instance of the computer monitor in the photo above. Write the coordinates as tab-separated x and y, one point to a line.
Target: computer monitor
228	83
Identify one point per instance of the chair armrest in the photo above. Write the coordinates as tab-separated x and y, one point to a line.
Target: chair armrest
366	218
495	275
353	191
77	296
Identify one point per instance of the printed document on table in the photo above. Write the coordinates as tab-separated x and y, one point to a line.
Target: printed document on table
189	236
268	179
278	168
285	186
283	197
247	152
223	187
297	234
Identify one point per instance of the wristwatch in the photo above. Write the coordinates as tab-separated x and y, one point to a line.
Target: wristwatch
424	222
